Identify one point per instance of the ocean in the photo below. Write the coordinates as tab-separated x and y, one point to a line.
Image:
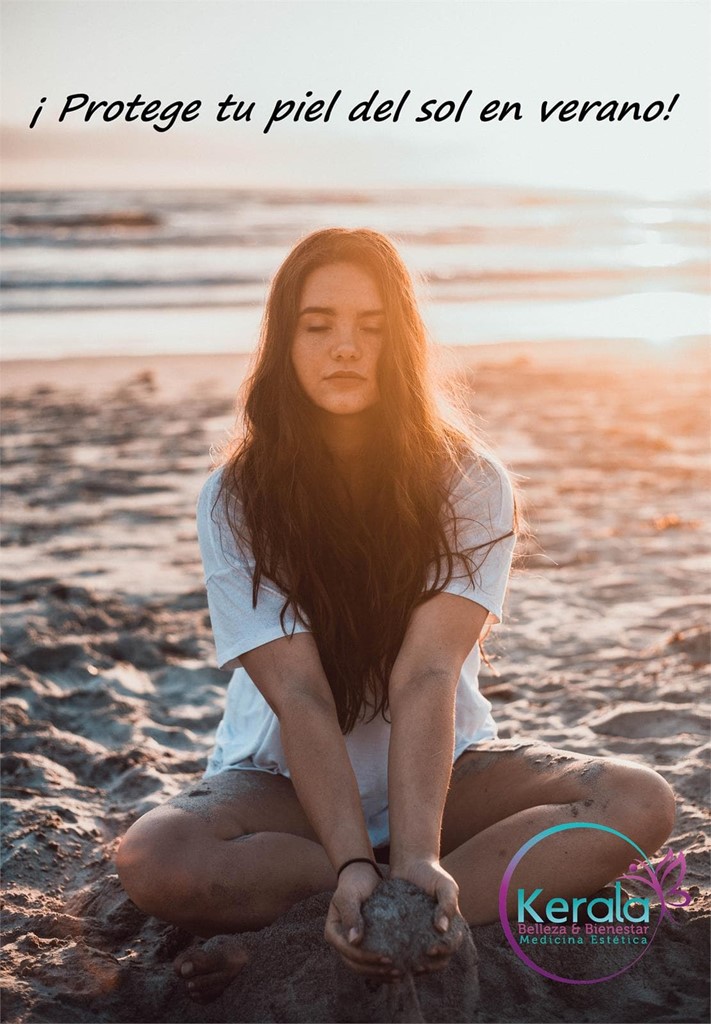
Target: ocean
134	272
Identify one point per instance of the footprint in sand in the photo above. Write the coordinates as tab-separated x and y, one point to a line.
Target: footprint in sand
637	721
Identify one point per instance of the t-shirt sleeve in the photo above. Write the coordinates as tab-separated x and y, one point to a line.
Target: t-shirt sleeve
237	626
483	503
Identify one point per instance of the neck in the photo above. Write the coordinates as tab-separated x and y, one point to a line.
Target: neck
347	437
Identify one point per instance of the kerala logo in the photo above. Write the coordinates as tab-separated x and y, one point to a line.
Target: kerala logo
618	920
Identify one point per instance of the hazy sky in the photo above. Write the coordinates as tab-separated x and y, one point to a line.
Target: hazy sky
517	50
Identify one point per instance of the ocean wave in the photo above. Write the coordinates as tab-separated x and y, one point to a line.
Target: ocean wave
110	219
151	256
27	283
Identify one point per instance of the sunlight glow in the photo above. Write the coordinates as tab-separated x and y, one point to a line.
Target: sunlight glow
655	253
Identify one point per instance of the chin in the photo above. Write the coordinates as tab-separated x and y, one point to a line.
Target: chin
343	408
351	410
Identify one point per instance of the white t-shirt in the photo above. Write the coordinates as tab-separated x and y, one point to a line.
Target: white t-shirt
248	737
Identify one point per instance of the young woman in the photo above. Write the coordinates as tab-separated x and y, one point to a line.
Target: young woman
356	547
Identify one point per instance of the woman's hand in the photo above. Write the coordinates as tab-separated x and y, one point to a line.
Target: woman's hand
344	923
430	876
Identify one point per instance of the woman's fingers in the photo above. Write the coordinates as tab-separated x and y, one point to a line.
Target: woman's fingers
440	953
339	924
448	944
447	893
344	919
351	920
364	961
446	911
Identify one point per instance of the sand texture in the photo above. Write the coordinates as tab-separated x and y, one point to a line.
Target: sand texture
111	697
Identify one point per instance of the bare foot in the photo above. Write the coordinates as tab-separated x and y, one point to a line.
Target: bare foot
208	969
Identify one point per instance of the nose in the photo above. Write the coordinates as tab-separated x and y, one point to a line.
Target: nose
345	343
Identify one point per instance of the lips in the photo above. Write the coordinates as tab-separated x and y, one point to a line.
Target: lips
345	375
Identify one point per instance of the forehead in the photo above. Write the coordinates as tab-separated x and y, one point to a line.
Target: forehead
340	285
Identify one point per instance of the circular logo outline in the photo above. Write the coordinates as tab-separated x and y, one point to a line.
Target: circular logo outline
504	891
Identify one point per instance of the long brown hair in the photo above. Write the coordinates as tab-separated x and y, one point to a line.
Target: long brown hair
353	576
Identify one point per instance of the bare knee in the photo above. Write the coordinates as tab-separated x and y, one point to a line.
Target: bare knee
639	802
154	864
657	803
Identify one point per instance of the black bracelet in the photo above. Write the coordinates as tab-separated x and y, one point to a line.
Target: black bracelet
359	860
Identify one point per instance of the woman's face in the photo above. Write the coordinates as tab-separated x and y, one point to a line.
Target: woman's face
338	339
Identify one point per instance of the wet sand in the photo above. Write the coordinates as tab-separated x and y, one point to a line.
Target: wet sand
111	696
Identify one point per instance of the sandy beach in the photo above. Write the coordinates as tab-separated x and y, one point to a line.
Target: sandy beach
111	694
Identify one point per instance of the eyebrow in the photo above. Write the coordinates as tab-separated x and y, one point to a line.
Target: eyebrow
329	311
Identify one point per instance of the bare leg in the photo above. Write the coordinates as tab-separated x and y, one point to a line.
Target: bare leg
231	854
502	794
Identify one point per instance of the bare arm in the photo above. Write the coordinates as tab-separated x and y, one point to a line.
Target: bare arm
287	670
423	684
289	674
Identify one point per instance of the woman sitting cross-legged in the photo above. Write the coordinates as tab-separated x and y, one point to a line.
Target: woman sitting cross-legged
356	548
